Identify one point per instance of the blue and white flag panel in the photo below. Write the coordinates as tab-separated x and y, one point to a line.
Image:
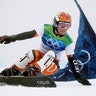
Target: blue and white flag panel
85	51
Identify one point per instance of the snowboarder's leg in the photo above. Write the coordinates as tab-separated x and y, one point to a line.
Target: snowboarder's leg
22	63
48	64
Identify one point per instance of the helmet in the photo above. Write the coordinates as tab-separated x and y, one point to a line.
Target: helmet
61	17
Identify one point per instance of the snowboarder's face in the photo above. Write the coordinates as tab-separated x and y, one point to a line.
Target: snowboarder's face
63	27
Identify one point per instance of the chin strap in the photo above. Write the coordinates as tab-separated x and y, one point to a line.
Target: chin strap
55	28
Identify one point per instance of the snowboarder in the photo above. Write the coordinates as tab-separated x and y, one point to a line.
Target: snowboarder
55	40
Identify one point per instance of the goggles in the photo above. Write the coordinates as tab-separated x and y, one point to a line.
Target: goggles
64	25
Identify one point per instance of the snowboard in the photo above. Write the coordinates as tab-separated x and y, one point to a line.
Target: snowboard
36	81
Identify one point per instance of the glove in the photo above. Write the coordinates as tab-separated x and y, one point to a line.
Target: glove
81	79
7	39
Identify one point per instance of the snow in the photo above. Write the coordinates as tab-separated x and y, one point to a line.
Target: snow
72	88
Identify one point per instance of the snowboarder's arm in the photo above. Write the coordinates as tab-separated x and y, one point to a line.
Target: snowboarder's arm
73	65
22	36
75	69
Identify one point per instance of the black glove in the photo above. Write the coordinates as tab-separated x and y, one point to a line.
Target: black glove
6	39
81	79
75	69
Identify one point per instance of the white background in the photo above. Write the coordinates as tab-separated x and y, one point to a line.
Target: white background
18	16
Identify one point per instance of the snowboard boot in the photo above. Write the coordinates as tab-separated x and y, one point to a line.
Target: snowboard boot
12	71
32	71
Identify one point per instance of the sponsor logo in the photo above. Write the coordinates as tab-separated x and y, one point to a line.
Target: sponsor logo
43	82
